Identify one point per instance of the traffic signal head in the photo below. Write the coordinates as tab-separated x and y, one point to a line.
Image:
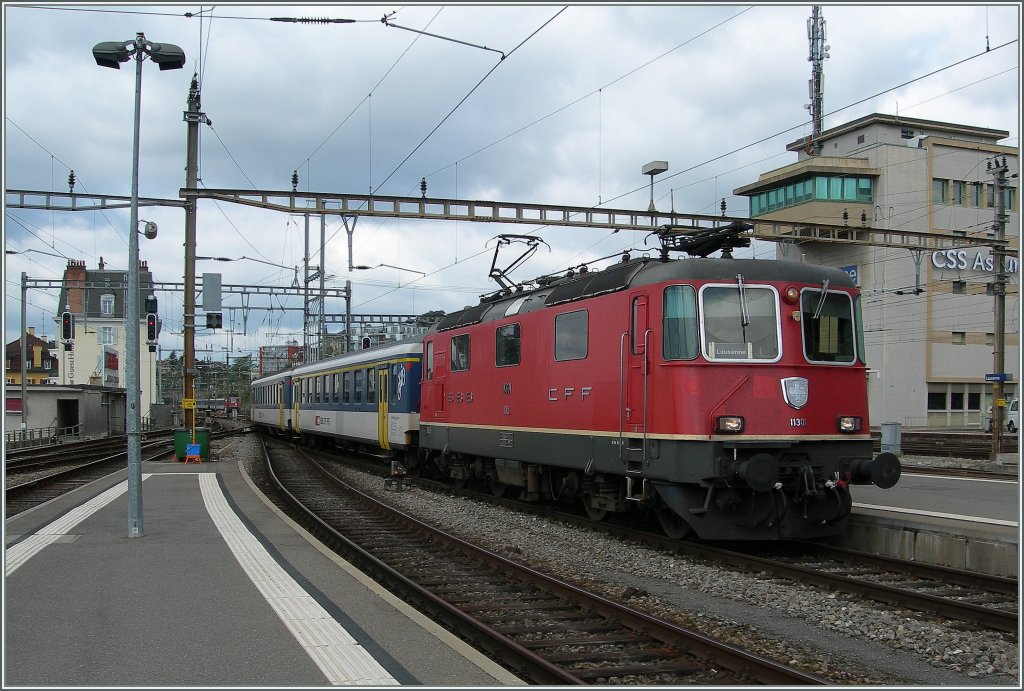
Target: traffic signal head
67	326
151	333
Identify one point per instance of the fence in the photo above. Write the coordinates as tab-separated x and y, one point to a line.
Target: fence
41	436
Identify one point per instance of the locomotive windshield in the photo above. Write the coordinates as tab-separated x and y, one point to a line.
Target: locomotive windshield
740	322
828	322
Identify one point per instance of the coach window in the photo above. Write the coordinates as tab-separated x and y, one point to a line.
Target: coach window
571	333
506	345
336	386
346	387
318	397
828	326
371	385
679	323
360	377
740	322
460	353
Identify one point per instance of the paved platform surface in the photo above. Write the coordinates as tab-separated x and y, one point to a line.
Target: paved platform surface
221	590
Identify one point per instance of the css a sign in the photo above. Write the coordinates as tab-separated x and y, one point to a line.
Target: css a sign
973	260
111	368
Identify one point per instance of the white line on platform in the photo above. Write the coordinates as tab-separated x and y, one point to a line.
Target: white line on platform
336	653
29	547
934	514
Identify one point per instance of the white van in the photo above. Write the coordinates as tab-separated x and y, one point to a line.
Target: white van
1013	415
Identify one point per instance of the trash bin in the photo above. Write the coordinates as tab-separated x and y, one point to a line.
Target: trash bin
891	437
183	437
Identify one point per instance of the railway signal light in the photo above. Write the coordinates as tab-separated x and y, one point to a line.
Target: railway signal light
151	330
214	320
366	342
67	326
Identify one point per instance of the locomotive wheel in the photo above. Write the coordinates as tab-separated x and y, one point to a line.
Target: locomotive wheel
498	488
674	525
595	514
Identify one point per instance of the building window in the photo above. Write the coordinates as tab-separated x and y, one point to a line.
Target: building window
107	335
937	400
959	287
959	338
990	339
959	192
106	304
940	191
860	138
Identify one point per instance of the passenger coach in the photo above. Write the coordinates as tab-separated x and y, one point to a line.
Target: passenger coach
367	397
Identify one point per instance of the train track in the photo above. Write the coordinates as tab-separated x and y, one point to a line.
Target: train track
547	630
36	479
978	599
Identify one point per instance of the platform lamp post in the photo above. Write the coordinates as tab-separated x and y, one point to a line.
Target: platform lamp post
654	168
168	57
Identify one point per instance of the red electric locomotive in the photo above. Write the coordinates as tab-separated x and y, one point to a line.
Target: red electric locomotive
728	397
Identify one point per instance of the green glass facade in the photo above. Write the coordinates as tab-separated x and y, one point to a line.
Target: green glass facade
837	188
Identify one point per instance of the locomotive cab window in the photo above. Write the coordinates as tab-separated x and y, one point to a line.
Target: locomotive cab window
828	326
460	353
740	322
680	339
506	345
571	333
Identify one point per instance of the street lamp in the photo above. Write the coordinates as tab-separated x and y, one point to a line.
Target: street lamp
654	168
168	57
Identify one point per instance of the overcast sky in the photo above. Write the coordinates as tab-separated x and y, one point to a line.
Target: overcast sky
583	98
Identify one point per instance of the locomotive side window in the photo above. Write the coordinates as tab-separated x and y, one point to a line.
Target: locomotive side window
828	326
571	333
460	353
506	345
430	360
680	323
740	322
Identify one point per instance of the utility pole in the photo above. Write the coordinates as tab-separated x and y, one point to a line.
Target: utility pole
999	291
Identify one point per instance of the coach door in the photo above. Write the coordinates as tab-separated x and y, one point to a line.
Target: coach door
280	404
382	409
635	377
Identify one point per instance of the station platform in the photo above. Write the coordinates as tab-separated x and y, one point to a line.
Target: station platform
220	590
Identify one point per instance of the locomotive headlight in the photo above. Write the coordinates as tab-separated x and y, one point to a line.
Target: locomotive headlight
729	424
850	423
791	295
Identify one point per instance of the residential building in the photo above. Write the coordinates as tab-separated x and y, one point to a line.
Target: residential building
96	301
42	366
928	316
